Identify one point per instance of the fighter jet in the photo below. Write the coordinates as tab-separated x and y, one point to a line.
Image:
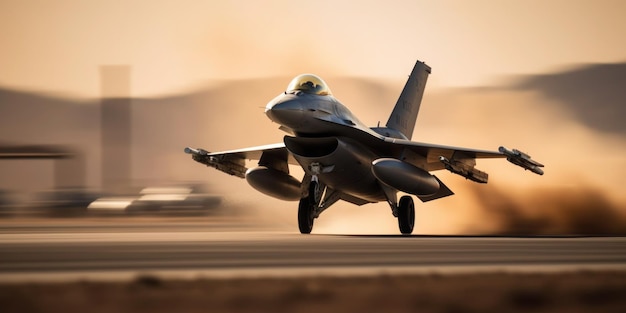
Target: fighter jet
343	159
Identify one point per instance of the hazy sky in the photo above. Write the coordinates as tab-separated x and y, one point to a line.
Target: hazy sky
174	45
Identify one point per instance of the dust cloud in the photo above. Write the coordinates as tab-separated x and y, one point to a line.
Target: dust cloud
581	210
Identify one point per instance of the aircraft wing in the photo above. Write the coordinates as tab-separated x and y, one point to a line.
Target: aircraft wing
233	162
458	160
433	152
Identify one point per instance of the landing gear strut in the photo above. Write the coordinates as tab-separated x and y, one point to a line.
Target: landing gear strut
406	215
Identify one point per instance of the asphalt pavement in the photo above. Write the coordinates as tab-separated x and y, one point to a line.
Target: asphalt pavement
117	251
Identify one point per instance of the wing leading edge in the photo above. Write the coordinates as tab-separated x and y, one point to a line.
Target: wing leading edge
233	162
430	154
431	157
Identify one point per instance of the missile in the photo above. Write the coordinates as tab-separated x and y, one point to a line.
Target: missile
231	165
200	155
522	159
198	151
466	170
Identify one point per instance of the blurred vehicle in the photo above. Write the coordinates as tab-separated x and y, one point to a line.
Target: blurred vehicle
175	200
60	202
110	205
166	200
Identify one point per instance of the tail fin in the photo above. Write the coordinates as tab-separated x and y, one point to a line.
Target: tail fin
404	114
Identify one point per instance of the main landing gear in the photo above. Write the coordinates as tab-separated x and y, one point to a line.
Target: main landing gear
406	215
318	198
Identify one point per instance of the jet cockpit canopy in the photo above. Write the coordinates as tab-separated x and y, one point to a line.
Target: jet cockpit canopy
309	83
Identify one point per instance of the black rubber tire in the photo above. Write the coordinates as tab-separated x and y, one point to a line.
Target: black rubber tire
305	208
406	215
305	218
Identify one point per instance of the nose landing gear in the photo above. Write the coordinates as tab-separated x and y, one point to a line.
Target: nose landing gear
307	208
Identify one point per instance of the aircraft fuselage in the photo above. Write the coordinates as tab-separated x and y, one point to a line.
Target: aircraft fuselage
327	136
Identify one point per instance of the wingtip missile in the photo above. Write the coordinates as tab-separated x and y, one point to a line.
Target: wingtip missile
232	166
522	159
193	151
198	155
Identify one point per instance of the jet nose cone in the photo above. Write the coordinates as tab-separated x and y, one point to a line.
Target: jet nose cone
289	113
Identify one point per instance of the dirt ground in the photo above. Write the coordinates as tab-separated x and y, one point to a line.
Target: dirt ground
493	292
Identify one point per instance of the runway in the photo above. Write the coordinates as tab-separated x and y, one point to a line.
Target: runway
114	251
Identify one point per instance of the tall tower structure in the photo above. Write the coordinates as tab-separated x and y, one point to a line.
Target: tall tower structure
115	123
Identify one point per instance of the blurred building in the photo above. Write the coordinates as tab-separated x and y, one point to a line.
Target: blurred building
115	119
69	164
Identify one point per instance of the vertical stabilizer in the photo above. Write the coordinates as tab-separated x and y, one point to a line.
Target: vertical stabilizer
404	114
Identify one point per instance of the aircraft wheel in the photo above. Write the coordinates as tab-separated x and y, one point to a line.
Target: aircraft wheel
406	215
305	211
305	216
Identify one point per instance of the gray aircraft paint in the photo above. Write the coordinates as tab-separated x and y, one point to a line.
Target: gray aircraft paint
407	107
